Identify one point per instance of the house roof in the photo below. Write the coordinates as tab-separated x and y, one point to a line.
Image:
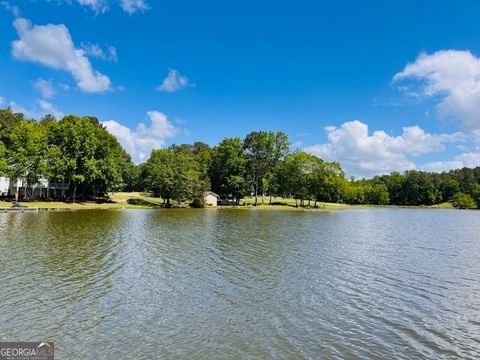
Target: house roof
209	193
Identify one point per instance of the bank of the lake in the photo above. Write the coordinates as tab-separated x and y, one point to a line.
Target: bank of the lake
137	200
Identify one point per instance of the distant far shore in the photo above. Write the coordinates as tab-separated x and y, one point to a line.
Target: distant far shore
136	200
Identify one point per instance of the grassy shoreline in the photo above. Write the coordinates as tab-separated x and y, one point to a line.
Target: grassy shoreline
136	200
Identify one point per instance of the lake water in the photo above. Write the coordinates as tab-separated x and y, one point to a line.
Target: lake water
221	284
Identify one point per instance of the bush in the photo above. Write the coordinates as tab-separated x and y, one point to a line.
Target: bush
198	202
463	201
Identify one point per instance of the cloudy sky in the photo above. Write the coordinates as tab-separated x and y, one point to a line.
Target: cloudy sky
377	86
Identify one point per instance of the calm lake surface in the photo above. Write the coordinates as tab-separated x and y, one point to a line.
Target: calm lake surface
219	284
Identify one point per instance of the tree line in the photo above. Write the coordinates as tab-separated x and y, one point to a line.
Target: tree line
80	152
76	151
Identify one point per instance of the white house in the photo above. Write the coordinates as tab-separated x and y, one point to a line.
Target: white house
4	186
44	188
210	198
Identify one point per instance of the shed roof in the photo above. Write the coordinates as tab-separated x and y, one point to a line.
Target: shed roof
210	193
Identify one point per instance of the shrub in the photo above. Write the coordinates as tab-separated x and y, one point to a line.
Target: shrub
463	201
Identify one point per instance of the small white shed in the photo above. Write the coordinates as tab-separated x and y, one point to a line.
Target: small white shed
210	198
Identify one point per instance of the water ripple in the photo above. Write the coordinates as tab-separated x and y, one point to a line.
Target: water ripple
218	284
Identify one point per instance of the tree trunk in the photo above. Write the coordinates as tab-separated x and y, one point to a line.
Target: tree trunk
63	190
256	194
315	204
296	202
74	192
263	197
270	199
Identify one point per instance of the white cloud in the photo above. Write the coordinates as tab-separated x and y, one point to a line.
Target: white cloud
12	8
95	50
2	101
39	110
51	45
16	108
99	6
173	82
49	108
102	6
454	77
468	159
140	142
132	6
363	154
45	87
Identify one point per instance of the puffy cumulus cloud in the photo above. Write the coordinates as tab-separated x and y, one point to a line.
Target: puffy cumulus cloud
173	82
140	142
95	50
363	154
133	6
45	87
40	109
453	77
468	159
52	46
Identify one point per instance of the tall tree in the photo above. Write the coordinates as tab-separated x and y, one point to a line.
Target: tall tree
8	122
293	175
27	157
264	151
172	174
113	164
75	141
3	161
228	171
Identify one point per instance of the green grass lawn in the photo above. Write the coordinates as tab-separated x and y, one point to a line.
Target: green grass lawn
279	203
138	200
132	200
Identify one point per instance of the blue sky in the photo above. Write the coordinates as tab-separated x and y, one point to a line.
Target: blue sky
334	75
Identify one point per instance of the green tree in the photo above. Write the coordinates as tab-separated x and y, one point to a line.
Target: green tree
27	157
419	189
8	122
354	192
228	169
329	181
476	194
3	161
463	201
264	152
172	174
113	164
294	175
450	188
377	194
75	145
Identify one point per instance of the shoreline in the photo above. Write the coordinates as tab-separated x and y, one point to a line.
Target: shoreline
42	206
136	200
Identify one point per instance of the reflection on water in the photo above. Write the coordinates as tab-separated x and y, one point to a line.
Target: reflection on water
204	284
